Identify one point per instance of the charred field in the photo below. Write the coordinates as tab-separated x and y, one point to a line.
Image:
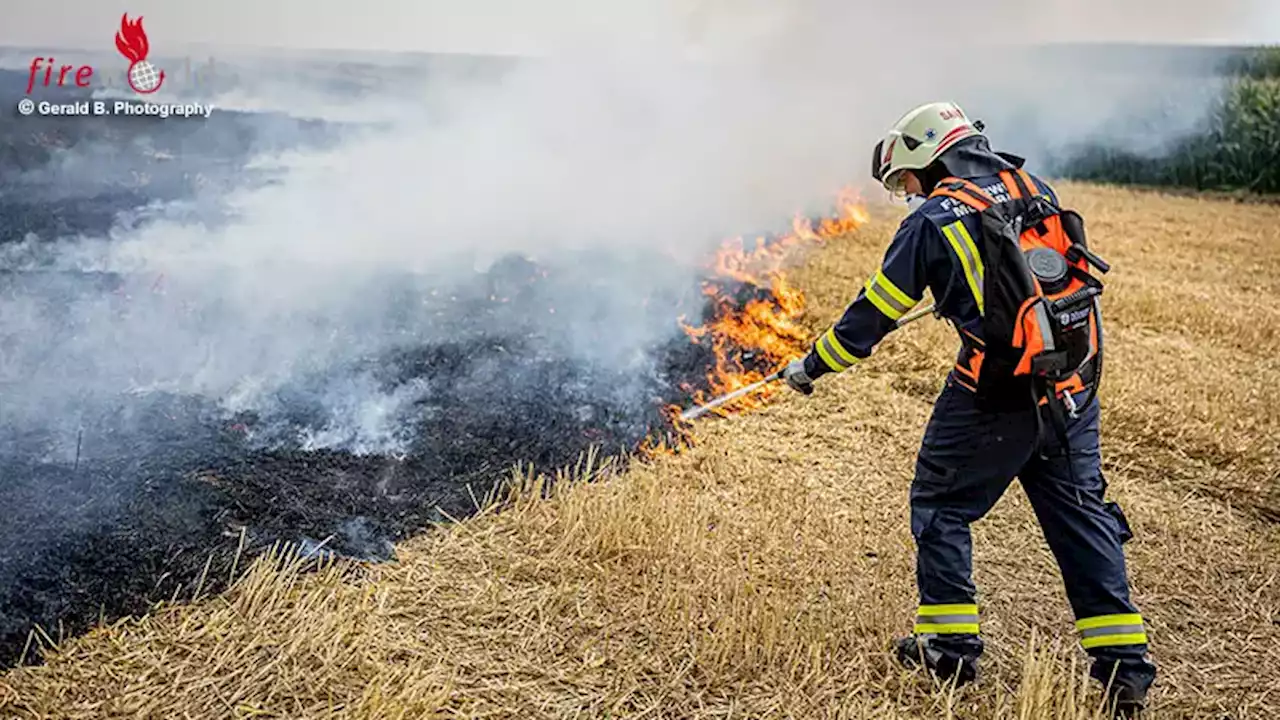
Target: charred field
119	527
169	492
140	494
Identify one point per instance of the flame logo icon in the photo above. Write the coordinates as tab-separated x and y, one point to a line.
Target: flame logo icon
132	43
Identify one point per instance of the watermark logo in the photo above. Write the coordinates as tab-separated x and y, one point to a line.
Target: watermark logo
122	108
132	42
143	77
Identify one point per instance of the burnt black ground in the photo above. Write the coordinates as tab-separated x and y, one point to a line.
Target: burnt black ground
165	484
136	523
125	526
166	491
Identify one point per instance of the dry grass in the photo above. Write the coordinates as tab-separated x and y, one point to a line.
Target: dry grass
763	573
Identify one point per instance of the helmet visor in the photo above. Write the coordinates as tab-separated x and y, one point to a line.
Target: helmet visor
896	183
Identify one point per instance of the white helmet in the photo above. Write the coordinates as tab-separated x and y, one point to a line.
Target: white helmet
917	139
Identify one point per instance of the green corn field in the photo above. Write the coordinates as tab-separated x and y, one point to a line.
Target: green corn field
1238	149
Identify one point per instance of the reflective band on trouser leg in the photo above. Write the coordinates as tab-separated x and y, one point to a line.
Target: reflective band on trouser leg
1112	630
837	358
947	620
887	297
970	259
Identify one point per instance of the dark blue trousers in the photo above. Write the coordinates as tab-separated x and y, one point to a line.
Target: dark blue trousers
966	462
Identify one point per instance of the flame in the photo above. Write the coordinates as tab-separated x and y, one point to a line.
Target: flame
667	443
753	338
131	41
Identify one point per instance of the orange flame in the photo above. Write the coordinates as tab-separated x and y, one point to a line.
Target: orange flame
766	328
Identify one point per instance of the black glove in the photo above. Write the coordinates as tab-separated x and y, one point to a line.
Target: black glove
796	377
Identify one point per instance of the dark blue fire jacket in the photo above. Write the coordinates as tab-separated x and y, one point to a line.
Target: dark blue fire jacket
935	248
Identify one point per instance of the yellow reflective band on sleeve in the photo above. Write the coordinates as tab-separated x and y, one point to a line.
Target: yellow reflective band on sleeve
970	259
837	358
947	620
1112	630
887	298
979	269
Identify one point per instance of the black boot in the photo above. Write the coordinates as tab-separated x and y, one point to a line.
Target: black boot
915	651
1127	678
1126	703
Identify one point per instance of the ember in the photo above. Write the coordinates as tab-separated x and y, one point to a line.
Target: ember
166	495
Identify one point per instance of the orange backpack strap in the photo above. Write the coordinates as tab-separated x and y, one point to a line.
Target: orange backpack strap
1019	184
964	191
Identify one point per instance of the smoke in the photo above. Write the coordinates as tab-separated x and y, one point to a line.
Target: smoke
502	26
484	265
622	154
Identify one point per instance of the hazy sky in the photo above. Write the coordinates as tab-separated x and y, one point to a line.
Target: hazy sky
534	25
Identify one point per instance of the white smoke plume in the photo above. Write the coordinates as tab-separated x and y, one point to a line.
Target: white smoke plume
645	131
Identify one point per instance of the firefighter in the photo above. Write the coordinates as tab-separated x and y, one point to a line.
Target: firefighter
985	431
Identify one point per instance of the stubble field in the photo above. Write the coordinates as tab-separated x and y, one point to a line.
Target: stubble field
764	572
